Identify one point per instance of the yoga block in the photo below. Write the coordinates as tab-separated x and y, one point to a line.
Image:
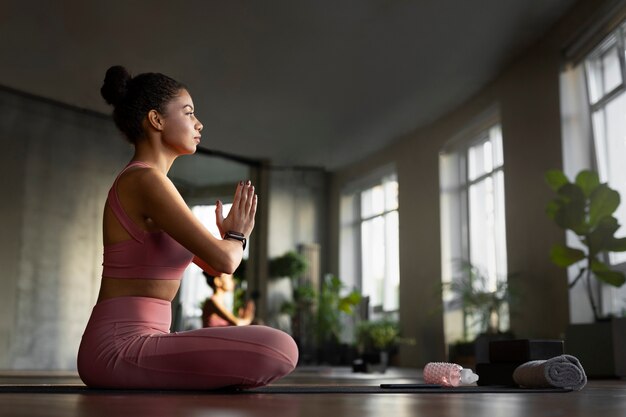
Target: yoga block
524	350
496	373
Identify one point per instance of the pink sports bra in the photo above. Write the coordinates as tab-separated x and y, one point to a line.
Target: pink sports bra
152	255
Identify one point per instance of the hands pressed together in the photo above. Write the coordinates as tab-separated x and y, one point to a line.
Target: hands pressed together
241	216
248	311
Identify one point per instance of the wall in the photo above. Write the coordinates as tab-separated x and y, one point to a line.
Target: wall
296	209
56	167
527	94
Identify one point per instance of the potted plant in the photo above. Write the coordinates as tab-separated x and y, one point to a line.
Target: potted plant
301	310
291	265
375	341
330	307
585	207
483	306
286	311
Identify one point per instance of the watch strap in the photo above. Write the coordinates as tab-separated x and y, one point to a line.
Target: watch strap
236	236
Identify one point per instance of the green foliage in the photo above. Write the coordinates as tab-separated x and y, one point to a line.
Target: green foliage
379	335
586	208
304	297
291	265
330	307
480	302
239	300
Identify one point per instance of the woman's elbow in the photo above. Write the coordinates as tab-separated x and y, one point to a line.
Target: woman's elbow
224	261
230	263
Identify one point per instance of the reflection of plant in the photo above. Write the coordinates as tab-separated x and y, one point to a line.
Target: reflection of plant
321	312
478	300
291	265
304	296
330	307
586	208
241	286
300	307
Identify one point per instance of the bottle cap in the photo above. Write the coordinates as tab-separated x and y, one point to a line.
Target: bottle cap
468	377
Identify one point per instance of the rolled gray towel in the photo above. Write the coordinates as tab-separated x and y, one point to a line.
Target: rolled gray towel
564	371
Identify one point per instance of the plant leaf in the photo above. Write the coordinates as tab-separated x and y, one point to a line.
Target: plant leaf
552	208
555	179
604	201
588	181
602	236
603	273
571	211
617	245
564	256
614	278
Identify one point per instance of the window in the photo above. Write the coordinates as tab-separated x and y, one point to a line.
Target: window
472	220
605	73
593	97
369	252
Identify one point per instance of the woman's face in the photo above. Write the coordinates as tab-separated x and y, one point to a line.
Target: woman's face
228	283
181	129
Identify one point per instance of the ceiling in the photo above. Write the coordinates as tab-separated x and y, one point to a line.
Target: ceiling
314	83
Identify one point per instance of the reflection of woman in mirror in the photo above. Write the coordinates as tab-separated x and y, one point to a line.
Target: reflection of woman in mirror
150	237
215	313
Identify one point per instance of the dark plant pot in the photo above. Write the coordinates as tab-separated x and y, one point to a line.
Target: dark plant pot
384	361
463	353
336	354
377	362
482	344
468	354
600	347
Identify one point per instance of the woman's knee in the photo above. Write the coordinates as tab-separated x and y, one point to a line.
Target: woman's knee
281	342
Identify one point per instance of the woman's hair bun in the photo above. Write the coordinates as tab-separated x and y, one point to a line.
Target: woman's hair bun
115	85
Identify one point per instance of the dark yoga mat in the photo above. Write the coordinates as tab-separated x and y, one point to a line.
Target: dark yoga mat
277	389
363	389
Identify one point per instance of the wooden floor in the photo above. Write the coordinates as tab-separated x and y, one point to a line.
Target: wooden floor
606	398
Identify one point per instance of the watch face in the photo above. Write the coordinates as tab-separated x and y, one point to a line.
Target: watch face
237	236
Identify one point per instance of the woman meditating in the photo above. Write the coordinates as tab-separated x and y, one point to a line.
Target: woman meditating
150	237
214	311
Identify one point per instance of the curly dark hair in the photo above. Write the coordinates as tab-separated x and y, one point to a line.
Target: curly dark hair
133	97
210	280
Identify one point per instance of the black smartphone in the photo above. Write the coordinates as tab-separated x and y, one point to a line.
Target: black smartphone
423	386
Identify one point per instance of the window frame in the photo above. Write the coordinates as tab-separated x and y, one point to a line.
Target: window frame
354	191
578	137
455	186
616	38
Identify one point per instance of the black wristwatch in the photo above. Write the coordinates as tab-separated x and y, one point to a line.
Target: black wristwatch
237	236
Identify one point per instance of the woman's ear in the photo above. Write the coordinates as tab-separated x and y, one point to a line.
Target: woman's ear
155	120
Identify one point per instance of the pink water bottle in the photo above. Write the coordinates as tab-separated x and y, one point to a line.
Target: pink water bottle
448	374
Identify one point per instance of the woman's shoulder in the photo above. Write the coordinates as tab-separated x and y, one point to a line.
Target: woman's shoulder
211	306
142	172
211	302
142	179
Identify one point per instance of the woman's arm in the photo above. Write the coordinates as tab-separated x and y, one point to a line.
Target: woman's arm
206	267
160	201
219	309
248	310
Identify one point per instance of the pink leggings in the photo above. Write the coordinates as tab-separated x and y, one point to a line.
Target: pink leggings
127	344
